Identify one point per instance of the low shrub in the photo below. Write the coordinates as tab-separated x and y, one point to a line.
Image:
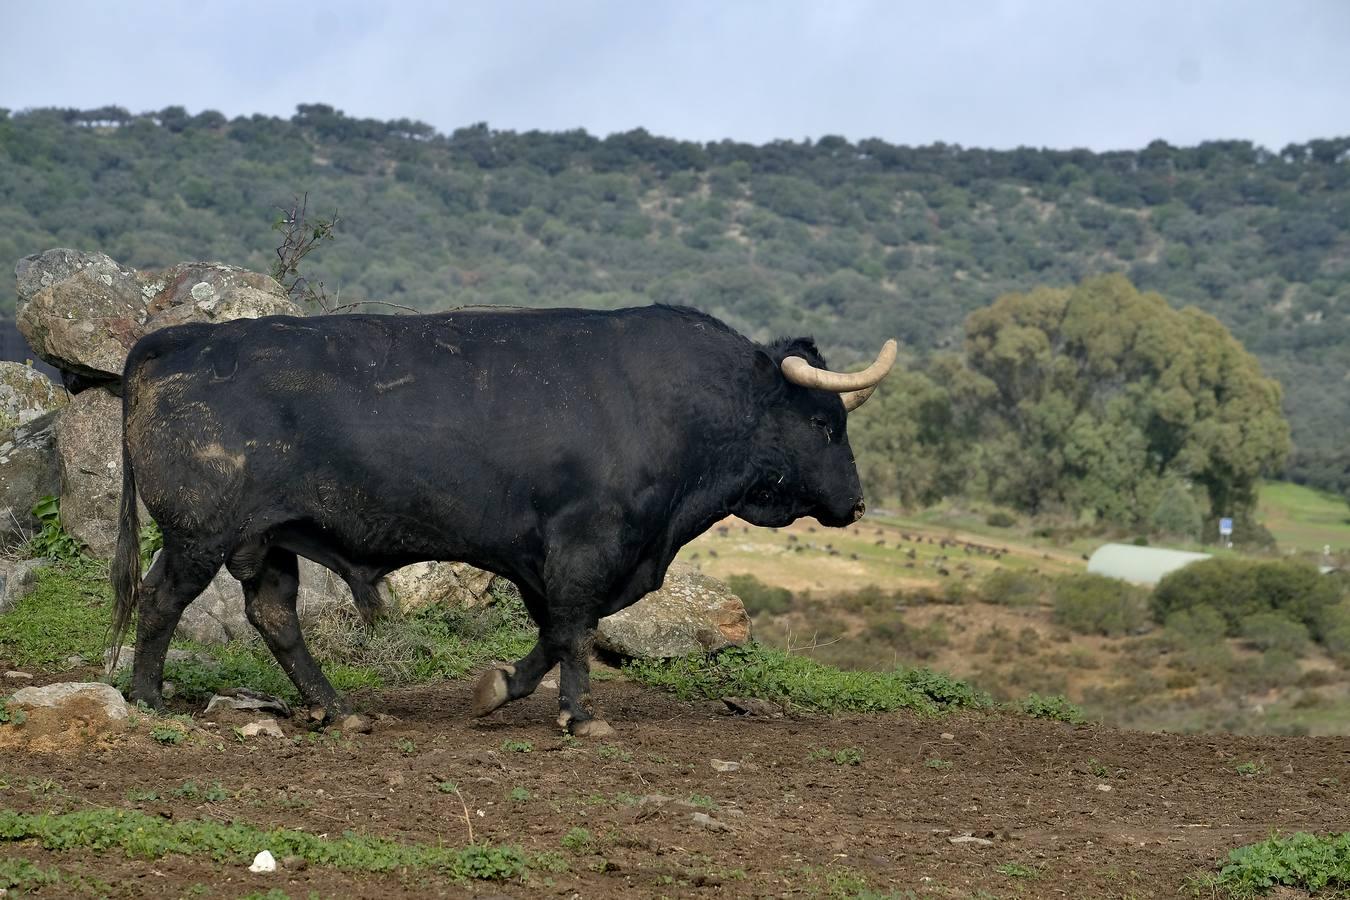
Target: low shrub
1000	519
1095	604
1240	588
1275	631
1008	587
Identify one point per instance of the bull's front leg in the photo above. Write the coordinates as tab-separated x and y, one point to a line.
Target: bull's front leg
573	646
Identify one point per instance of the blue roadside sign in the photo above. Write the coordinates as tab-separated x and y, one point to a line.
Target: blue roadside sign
1225	527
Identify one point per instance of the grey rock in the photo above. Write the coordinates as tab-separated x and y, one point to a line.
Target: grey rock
724	765
18	580
265	727
709	822
211	292
16	675
71	694
29	471
690	613
248	700
25	394
436	583
217	615
85	313
89	451
970	839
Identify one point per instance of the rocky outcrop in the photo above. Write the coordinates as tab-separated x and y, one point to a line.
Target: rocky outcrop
29	471
689	613
89	454
82	312
80	698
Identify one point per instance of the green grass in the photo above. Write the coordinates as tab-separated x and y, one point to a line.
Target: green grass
141	836
1056	708
775	675
1304	518
1303	861
67	613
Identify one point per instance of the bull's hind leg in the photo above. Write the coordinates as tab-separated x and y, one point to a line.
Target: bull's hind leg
269	602
502	684
174	581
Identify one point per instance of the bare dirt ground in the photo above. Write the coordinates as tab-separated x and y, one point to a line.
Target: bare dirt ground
1060	810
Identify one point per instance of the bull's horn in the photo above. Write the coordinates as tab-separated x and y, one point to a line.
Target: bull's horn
799	371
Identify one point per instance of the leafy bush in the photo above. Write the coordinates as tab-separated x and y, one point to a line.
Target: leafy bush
1303	861
775	675
1177	513
1000	519
1238	589
1056	708
51	539
1095	604
759	597
1008	587
1276	631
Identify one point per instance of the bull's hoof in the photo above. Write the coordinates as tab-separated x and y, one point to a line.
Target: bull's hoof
492	691
591	728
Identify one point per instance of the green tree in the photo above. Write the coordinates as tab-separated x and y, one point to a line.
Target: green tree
1102	394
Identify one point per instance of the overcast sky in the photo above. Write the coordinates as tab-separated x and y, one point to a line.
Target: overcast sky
990	73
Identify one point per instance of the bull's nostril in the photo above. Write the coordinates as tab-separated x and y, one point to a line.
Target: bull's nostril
858	509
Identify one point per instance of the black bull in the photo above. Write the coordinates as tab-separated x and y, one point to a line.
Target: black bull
571	451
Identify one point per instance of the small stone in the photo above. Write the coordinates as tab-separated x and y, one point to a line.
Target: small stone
948	736
264	862
74	662
751	706
16	675
356	724
267	727
724	765
709	822
970	839
294	863
1104	788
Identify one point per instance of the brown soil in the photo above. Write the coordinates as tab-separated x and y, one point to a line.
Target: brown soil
794	826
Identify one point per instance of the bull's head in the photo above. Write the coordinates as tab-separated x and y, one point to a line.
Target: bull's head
804	465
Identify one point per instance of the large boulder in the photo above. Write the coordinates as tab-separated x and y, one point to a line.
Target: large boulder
437	584
689	613
211	292
217	615
79	697
81	312
89	451
29	471
26	394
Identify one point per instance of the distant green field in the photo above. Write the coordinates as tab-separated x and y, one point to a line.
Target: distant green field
1302	518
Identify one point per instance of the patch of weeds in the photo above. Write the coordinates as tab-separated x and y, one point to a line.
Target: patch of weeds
52	540
138	796
1303	861
169	735
549	861
519	794
447	787
776	675
405	746
23	875
517	746
848	756
609	752
702	801
1056	708
1250	768
935	763
211	794
1097	769
1018	870
11	716
578	840
141	836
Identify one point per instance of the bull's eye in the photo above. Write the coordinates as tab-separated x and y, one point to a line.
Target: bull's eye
823	425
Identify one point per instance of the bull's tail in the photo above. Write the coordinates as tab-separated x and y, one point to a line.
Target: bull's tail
126	563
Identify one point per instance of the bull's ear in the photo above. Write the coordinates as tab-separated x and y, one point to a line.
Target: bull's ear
766	370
